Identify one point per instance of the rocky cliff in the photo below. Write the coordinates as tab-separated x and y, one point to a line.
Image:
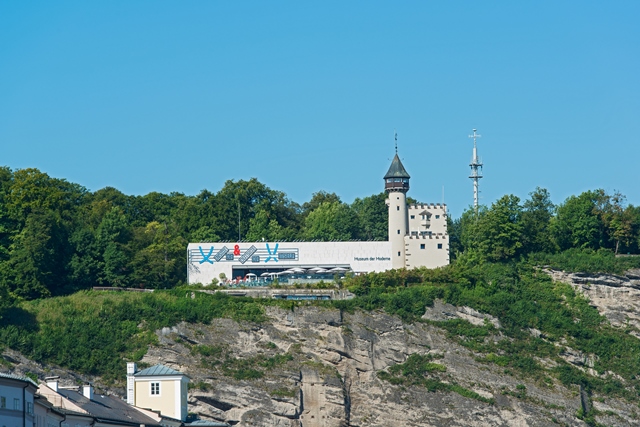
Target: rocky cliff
617	297
312	366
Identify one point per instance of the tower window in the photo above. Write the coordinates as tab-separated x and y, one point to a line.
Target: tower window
421	245
155	389
413	217
398	253
439	245
397	208
398	231
437	216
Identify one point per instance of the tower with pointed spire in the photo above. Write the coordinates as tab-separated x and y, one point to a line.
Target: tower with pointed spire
396	184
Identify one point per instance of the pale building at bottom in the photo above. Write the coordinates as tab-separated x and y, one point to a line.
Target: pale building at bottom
158	388
16	401
160	391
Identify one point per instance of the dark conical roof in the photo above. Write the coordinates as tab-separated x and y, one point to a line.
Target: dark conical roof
396	170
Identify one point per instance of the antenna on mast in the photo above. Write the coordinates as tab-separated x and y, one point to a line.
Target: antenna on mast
476	170
396	138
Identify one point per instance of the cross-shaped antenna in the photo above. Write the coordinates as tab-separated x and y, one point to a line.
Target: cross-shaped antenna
474	136
396	138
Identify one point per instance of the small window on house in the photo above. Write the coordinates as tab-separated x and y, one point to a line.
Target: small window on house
437	216
16	404
421	245
29	408
155	389
439	245
3	402
413	217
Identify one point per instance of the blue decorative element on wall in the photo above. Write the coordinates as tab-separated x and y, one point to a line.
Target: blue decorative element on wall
247	254
272	255
205	258
222	252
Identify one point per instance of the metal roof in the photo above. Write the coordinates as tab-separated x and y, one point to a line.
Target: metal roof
18	377
109	408
157	370
396	170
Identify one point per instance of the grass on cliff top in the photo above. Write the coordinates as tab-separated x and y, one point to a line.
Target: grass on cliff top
522	298
587	261
96	332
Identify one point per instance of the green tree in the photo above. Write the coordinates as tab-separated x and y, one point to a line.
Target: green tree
331	221
112	236
35	267
158	256
238	202
578	224
536	217
500	229
373	215
318	199
262	227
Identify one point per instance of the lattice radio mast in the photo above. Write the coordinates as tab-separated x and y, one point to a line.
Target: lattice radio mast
476	170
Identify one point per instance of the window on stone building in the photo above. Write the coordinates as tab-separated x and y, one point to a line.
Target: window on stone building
155	389
439	245
422	246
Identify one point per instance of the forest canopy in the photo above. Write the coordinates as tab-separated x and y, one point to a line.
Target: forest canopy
57	237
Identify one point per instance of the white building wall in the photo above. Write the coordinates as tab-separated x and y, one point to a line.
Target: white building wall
11	395
398	227
436	221
429	251
207	260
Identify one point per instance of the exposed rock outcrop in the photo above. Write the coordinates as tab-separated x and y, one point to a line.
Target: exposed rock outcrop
332	379
315	366
617	297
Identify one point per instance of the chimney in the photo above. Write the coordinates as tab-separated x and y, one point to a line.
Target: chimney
131	370
87	391
52	383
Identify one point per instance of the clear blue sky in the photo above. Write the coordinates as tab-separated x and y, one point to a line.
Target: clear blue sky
182	96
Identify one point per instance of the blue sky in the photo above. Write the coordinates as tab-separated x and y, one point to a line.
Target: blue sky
182	96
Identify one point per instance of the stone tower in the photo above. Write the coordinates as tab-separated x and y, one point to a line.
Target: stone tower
396	184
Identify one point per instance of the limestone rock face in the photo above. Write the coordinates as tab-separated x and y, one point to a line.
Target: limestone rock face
316	366
332	379
616	297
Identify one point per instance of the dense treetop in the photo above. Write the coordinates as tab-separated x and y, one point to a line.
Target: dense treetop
57	237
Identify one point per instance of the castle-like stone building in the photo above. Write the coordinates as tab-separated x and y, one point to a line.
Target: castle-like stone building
417	238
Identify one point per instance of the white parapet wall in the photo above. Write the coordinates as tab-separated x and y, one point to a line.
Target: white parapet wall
206	261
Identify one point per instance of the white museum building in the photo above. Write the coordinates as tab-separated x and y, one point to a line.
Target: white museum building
417	238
